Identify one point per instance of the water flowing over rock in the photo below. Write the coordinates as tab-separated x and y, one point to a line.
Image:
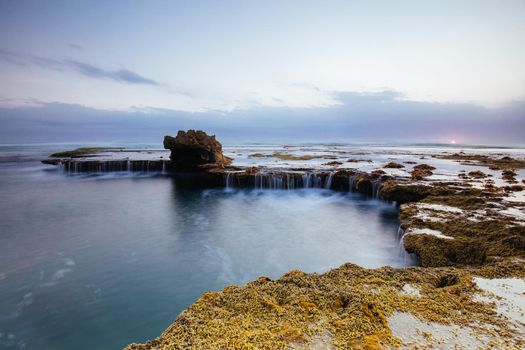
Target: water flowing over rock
290	180
194	149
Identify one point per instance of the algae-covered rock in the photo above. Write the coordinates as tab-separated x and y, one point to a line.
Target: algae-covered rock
422	170
364	184
403	193
333	163
477	174
393	165
346	308
435	251
509	175
84	151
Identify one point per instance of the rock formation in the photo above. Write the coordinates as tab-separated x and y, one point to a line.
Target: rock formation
194	149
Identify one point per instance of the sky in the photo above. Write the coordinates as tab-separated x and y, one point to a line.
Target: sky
279	71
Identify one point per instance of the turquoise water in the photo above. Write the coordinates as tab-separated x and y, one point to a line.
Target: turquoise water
97	262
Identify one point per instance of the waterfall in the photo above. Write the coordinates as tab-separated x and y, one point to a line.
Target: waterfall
328	183
288	180
103	166
376	186
399	232
409	258
351	180
229	181
306	180
311	180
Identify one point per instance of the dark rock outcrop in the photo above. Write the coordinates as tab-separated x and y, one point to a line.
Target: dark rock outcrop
194	149
364	184
422	170
403	193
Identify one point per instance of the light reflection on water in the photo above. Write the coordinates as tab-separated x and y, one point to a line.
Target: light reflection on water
89	262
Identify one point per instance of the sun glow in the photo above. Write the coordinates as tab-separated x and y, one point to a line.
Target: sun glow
452	142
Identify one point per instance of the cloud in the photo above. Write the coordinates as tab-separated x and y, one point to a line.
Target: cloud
76	47
379	117
12	58
120	75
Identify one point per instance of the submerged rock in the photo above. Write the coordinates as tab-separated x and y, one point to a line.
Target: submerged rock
477	174
422	170
509	175
393	165
194	149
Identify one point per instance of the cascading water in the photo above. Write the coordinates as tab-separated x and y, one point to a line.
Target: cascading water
408	258
351	180
103	166
290	182
376	186
399	232
229	181
328	183
279	181
311	180
306	180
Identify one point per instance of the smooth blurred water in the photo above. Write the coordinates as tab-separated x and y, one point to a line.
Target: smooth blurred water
97	262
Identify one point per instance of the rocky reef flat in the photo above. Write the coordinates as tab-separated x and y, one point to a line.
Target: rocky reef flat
354	308
462	213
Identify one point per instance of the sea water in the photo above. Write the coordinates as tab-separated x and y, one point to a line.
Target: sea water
93	261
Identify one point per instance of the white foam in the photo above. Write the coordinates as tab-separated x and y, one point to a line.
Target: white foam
427	231
411	290
440	207
514	212
61	273
515	197
69	262
426	216
508	295
415	334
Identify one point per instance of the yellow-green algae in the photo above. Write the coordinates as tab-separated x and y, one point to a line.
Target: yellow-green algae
348	306
286	156
84	151
485	160
475	241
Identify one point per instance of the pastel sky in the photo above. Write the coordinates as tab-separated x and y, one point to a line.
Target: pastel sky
228	63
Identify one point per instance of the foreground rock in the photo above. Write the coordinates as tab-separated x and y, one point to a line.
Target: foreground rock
195	150
355	308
